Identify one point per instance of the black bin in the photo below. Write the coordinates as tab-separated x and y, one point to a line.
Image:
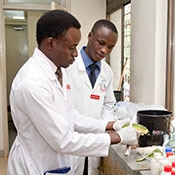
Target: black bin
158	123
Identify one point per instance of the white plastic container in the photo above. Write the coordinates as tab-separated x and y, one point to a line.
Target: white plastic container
155	163
171	158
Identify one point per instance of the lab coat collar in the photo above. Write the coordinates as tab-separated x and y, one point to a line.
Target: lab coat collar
80	62
48	66
81	67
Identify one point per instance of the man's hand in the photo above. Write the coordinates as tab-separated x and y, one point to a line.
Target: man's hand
119	124
128	136
115	137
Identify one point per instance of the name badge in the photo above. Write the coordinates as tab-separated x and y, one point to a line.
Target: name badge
68	86
95	97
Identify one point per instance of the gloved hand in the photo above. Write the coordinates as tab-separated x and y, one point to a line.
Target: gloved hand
128	136
119	123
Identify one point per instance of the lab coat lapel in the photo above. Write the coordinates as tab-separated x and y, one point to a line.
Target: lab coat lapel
101	77
83	73
62	88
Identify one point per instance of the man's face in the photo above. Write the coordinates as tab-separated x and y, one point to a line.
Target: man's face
101	43
64	49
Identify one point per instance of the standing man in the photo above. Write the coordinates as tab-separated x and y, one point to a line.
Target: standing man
49	129
91	81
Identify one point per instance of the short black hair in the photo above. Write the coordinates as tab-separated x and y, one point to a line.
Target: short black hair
105	23
55	24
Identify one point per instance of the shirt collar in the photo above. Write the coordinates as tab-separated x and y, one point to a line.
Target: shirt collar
87	60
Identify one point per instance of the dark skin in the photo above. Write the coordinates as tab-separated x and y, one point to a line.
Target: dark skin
100	43
62	52
115	138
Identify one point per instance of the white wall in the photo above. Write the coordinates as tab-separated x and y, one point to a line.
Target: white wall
32	18
115	56
87	12
148	51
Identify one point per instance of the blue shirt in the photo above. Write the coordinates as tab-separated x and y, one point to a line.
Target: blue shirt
87	62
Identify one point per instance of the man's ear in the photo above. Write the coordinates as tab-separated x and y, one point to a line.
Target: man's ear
50	43
90	35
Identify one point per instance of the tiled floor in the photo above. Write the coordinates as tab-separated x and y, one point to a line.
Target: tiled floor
3	165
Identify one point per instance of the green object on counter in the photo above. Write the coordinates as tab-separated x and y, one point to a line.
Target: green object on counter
139	128
151	154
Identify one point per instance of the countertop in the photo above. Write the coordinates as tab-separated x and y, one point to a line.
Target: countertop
119	164
130	161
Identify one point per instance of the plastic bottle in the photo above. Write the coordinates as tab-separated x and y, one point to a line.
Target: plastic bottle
173	165
169	154
168	149
163	163
155	163
173	172
167	170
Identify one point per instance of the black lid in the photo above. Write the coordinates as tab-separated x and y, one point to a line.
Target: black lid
154	113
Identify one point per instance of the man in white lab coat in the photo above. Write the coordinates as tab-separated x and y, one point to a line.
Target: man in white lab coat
49	129
94	100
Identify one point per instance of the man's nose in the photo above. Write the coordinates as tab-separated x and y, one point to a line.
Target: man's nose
104	50
75	53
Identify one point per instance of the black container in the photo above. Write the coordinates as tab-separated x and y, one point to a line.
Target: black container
118	95
158	123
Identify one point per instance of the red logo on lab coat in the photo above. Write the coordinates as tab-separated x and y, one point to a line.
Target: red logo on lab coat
68	86
96	97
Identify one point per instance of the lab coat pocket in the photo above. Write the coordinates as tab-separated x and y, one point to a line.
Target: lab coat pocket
64	170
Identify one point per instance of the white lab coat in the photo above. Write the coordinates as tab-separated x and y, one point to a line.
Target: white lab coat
46	121
96	103
81	89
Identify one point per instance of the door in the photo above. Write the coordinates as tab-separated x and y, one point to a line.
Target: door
16	56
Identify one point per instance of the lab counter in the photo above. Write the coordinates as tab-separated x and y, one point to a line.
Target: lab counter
119	164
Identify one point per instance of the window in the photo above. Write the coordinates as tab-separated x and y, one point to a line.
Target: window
121	52
30	1
126	49
15	15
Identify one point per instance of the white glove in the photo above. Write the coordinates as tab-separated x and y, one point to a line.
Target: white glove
128	136
119	124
